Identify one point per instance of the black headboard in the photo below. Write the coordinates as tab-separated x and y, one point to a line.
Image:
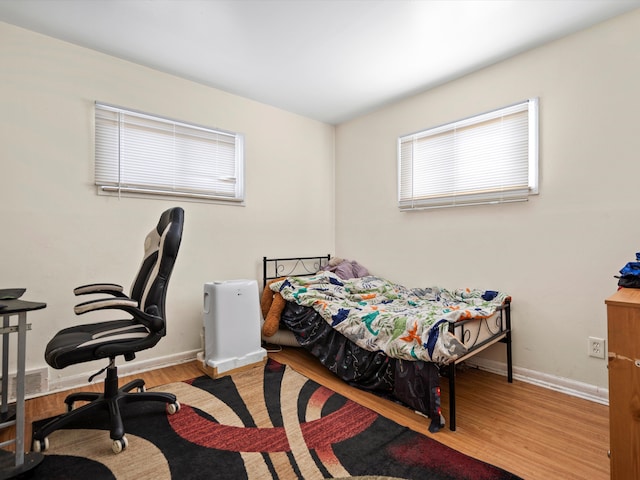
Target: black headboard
295	266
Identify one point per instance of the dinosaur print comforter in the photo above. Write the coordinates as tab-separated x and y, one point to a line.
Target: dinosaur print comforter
378	315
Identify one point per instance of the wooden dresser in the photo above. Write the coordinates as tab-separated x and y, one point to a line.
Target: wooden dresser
623	330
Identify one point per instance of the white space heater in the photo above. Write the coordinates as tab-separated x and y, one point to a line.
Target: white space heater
231	326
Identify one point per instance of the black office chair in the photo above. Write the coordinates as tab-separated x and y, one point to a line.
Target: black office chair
109	339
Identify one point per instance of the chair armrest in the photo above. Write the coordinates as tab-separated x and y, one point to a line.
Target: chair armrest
153	322
103	288
105	303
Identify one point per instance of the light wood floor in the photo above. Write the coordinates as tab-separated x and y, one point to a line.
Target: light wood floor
531	431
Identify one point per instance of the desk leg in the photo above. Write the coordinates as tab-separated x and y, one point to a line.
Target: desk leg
5	367
15	463
22	347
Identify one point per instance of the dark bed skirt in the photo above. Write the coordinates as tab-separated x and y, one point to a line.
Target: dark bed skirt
414	384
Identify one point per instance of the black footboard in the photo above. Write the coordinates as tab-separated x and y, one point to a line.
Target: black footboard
500	328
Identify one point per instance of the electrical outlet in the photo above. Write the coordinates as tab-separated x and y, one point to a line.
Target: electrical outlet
596	347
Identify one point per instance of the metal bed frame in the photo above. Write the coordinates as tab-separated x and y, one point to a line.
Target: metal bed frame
273	268
498	325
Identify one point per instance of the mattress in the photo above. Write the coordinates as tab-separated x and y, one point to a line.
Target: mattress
473	333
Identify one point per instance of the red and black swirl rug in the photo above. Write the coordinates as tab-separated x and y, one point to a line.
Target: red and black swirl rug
271	424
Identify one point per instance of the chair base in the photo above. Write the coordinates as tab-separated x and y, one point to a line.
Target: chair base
111	400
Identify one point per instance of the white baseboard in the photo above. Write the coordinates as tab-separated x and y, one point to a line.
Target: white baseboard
124	369
559	384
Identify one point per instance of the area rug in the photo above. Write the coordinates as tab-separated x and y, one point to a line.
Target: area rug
270	423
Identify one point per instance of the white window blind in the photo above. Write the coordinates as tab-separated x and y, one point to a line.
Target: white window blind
488	158
142	154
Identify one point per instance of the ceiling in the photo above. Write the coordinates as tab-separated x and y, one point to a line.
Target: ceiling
330	60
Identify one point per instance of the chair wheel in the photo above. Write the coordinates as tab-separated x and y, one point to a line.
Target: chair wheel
120	444
142	389
173	407
40	445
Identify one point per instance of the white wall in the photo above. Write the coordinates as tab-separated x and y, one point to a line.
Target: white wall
57	233
556	254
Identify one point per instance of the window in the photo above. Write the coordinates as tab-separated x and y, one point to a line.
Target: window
140	154
488	158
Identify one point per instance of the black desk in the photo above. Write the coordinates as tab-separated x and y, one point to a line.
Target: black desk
12	464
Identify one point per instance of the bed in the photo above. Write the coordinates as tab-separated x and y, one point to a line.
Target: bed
365	335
